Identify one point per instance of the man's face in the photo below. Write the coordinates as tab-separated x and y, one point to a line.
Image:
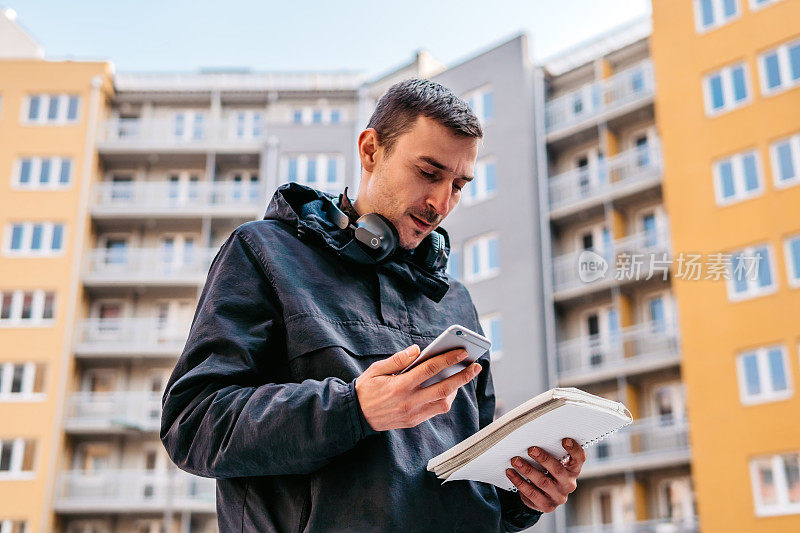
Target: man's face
419	182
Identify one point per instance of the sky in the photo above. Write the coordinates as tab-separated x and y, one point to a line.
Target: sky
366	36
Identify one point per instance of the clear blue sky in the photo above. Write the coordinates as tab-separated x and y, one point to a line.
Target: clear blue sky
370	36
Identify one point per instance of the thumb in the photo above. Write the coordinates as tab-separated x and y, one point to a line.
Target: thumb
398	361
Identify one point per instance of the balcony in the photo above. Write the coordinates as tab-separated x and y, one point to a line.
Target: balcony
633	350
601	100
127	491
640	256
659	525
145	199
157	134
648	443
622	175
147	266
113	412
130	337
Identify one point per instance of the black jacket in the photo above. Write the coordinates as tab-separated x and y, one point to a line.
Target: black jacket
263	396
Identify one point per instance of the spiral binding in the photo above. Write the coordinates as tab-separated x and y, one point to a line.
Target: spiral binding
595	440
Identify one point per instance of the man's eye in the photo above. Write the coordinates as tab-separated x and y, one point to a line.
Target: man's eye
427	174
456	187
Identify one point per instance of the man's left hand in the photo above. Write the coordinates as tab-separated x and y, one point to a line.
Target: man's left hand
546	491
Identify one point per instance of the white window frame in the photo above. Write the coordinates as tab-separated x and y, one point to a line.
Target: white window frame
17	454
719	15
784	69
794	280
737	164
63	106
36	168
321	181
7	525
307	113
477	188
484	272
765	376
755	6
188	126
486	321
794	146
457	259
753	290
249	124
727	89
779	479
28	379
477	96
37	309
27	234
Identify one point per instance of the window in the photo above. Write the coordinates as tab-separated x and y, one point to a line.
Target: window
189	125
785	156
28	239
751	273
484	185
710	14
51	109
763	375
737	177
482	103
21	381
726	89
16	458
792	253
321	171
13	526
454	264
316	116
780	68
755	5
335	116
493	330
26	308
776	484
248	124
42	173
482	258
297	116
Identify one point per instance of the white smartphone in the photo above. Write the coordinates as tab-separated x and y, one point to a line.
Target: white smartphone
452	338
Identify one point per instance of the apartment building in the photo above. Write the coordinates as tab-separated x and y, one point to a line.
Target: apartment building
728	107
49	111
613	330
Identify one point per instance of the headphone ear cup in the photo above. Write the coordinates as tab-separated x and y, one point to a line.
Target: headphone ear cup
378	234
432	252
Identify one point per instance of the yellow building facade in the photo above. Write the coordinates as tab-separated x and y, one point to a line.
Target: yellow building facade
48	115
728	114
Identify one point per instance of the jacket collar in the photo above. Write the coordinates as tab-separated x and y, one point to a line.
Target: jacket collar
303	209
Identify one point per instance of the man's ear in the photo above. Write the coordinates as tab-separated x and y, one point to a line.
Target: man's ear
368	148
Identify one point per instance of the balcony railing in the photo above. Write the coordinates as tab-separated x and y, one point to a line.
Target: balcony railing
647	443
633	348
131	132
597	182
108	411
593	99
147	265
642	255
659	525
130	336
133	490
165	197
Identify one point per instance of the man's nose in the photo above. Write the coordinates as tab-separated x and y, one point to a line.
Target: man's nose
439	197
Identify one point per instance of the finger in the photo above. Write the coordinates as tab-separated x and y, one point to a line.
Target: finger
577	456
396	362
550	463
542	481
447	386
529	503
434	365
534	495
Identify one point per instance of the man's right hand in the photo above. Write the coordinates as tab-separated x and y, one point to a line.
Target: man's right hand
391	401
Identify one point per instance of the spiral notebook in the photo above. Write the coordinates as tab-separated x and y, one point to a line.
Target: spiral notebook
542	421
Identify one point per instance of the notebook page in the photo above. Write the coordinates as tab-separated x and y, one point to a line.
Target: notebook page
581	422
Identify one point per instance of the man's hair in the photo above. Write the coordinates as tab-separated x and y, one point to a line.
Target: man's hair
399	107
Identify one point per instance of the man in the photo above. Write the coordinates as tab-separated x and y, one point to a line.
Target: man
286	390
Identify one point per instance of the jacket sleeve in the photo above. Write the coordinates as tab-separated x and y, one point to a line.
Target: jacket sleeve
516	515
225	413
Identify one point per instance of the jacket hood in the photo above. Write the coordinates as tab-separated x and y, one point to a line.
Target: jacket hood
304	210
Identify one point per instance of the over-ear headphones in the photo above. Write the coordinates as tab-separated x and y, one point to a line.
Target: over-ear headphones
380	237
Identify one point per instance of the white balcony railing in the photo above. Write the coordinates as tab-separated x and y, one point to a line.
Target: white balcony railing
133	490
617	352
153	197
658	525
140	265
131	335
648	441
637	256
168	132
596	182
595	98
107	411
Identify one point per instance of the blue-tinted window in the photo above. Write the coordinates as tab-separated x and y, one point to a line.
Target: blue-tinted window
496	334
726	179
764	272
36	237
794	62
657	314
488	105
311	174
58	237
44	174
292	177
613	325
650	233
750	172
752	381
794	250
453	264
491	178
72	108
637	81
777	369
66	169
772	70
494	259
297	116
739	86
198	128
476	259
729	7
786	168
16	236
52	108
707	9
179	125
25	171
33	107
740	272
335	116
715	84
332	170
316	116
